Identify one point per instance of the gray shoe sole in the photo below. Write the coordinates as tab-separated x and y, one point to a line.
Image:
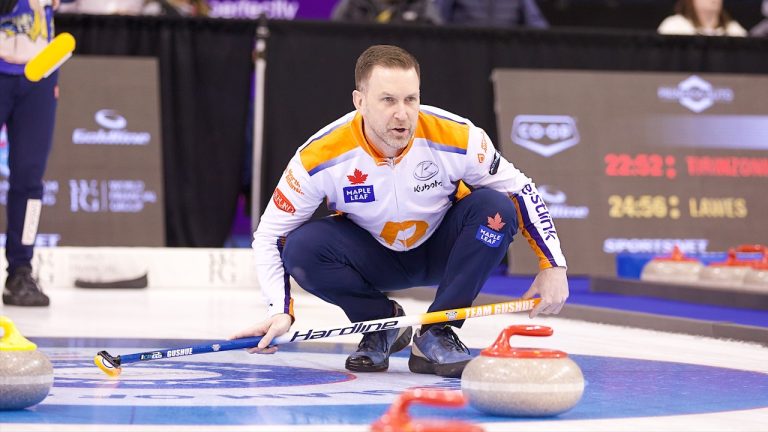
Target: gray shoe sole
422	365
27	301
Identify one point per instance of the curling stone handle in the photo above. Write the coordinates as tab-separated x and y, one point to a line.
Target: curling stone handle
751	248
397	419
12	340
398	412
428	397
677	254
502	342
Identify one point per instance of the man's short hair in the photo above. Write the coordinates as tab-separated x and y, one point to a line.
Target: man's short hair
388	56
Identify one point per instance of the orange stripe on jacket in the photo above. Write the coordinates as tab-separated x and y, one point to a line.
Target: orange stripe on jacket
442	130
328	147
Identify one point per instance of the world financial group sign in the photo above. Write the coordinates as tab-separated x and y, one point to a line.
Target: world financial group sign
103	184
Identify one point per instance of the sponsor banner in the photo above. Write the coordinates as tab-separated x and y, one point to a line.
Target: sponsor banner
654	245
103	184
546	135
696	94
559	207
634	162
272	9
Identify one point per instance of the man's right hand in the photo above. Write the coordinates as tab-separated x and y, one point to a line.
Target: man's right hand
270	328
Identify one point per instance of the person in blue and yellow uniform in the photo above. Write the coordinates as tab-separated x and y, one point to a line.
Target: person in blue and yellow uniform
423	198
28	110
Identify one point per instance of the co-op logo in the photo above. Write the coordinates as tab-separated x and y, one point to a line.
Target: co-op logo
546	135
696	94
111	132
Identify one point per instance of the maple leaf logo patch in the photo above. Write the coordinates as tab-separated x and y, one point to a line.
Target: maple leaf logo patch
358	192
357	177
492	236
495	222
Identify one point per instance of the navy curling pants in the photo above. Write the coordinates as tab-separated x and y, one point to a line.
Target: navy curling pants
343	264
28	110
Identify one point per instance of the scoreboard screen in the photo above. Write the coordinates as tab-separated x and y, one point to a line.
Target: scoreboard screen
638	162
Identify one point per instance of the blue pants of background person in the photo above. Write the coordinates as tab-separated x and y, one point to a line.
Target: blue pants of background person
28	111
343	264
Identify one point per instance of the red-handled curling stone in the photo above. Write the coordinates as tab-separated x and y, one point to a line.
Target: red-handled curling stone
757	279
673	268
522	382
26	375
396	419
729	273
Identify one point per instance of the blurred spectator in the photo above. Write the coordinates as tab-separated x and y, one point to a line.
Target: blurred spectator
103	7
176	7
387	11
28	110
137	7
493	13
761	29
701	17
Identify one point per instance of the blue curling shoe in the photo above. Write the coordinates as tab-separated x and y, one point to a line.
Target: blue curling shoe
373	352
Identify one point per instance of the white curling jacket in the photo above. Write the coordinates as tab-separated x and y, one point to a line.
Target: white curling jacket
400	201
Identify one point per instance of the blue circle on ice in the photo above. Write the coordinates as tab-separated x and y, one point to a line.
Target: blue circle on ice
615	388
194	375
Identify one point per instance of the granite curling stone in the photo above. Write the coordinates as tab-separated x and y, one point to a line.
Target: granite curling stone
522	382
26	374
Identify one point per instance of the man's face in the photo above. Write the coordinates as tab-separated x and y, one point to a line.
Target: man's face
389	104
708	5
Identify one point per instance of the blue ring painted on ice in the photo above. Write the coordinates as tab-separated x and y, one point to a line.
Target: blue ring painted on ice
225	375
615	388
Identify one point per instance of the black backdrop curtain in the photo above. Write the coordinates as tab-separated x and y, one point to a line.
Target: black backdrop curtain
634	14
205	81
310	69
205	70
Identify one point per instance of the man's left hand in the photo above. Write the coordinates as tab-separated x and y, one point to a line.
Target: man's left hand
552	286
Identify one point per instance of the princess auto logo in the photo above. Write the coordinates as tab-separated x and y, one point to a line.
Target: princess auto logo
695	94
546	135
